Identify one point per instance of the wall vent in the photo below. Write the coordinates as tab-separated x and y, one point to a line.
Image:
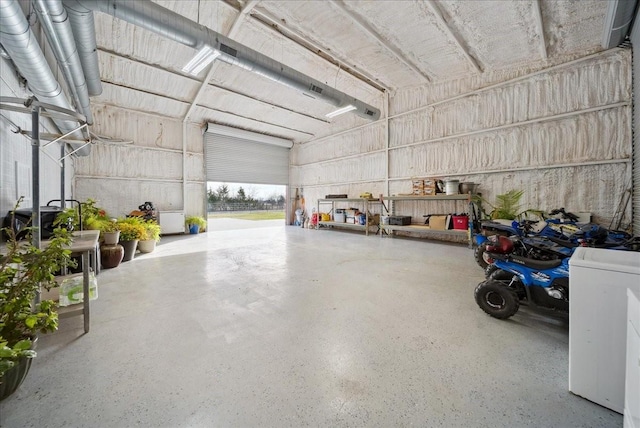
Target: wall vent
228	50
315	88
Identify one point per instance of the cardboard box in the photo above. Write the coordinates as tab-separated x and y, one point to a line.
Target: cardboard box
438	222
429	182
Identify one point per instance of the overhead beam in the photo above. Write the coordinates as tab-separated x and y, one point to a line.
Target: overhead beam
366	27
537	11
195	80
243	95
278	26
242	15
185	103
253	119
437	13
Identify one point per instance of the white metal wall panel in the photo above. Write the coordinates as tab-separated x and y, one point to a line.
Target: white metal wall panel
563	135
635	40
359	141
239	159
120	197
590	137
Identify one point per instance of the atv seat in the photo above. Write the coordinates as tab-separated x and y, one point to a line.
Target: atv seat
536	264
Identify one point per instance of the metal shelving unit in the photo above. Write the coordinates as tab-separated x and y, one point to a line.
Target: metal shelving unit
331	224
423	229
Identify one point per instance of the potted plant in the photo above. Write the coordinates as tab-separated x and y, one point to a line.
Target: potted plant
152	235
131	231
506	206
195	224
23	270
92	216
109	232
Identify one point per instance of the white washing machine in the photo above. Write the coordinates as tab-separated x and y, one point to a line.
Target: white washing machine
598	284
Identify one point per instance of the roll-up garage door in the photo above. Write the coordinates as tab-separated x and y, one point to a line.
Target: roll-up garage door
237	156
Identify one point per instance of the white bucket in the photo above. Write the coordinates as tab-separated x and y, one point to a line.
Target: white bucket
451	187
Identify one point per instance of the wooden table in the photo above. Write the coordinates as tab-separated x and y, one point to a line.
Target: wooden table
85	243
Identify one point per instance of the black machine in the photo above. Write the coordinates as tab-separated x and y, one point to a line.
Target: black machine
22	220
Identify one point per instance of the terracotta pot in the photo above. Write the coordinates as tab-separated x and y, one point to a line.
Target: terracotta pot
147	246
111	238
111	255
129	249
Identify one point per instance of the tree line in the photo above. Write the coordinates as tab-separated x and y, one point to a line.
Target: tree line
221	199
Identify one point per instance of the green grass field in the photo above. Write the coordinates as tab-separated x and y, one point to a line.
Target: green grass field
249	215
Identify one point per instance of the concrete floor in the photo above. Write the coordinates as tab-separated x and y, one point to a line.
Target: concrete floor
282	326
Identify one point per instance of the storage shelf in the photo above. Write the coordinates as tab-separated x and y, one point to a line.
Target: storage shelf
365	203
422	229
393	207
459	197
340	224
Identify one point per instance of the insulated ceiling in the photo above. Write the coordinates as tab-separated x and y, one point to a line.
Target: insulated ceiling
362	48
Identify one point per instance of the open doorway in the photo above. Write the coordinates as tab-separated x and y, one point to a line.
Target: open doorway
245	205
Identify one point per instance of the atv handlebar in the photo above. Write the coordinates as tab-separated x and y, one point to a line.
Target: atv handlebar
565	215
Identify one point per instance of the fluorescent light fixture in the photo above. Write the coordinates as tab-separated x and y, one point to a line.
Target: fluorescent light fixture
341	110
204	57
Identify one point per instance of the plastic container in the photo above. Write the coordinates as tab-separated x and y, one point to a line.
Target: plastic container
451	187
71	290
460	222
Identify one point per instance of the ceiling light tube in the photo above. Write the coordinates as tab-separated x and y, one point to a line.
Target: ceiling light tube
204	57
341	110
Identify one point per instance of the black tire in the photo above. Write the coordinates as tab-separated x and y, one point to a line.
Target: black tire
479	254
496	299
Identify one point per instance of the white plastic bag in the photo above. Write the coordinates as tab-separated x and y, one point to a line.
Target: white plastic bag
71	291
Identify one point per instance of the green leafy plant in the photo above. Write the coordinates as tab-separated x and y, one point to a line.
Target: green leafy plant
507	205
200	221
152	230
109	226
92	216
24	268
131	228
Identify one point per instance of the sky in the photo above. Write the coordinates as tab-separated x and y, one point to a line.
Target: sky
256	191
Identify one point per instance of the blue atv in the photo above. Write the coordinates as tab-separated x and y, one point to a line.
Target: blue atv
565	232
540	283
560	228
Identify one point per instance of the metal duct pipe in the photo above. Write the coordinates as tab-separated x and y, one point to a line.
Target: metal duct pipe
53	18
21	44
84	33
617	22
169	24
